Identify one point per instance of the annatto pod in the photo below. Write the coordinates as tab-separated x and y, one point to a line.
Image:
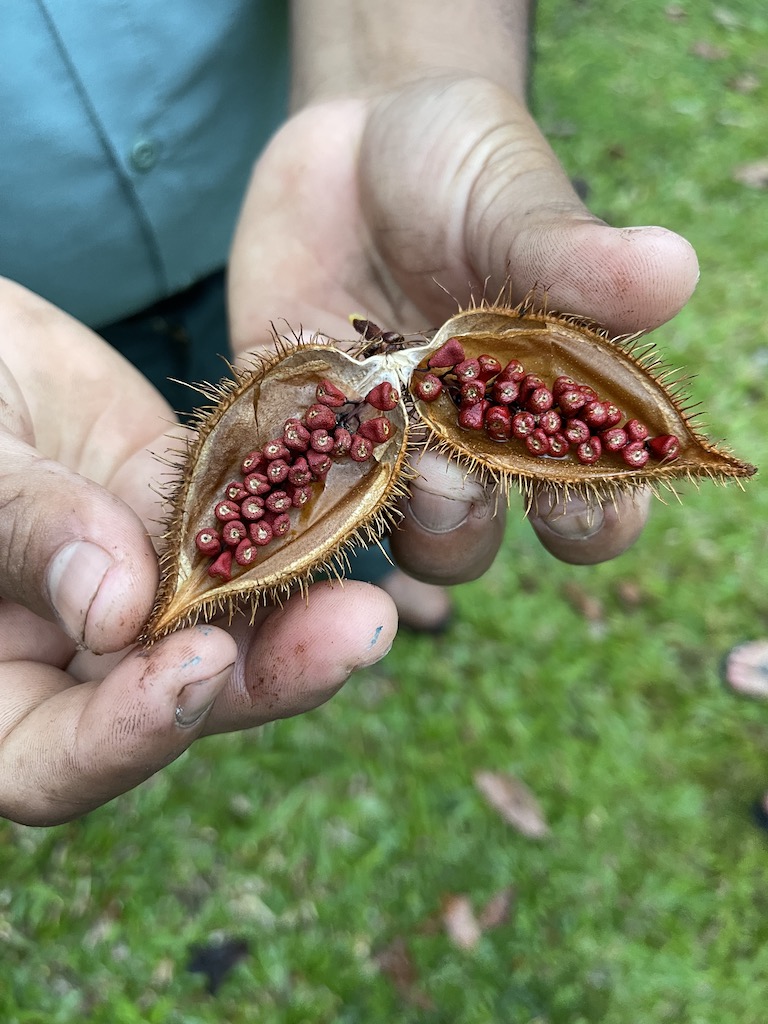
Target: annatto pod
303	455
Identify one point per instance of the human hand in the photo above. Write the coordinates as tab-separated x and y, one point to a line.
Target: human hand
84	715
398	205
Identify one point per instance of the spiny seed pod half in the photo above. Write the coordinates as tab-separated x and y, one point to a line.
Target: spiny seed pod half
318	507
304	454
593	383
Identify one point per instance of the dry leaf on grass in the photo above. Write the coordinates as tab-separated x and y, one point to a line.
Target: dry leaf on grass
395	963
497	910
708	51
460	922
583	602
515	803
753	175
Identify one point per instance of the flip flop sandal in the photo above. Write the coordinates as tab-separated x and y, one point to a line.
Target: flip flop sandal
759	689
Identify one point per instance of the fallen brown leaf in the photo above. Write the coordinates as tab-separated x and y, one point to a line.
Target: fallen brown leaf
460	922
583	602
497	910
753	175
708	51
515	803
744	83
395	963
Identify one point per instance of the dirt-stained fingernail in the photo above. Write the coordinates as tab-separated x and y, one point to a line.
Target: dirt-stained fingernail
196	699
573	518
444	495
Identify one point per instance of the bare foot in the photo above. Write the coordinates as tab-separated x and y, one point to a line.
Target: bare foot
746	669
422	607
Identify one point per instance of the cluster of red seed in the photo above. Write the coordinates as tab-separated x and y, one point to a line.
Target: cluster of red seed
279	476
507	402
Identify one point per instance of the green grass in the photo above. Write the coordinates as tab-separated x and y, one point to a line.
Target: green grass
323	840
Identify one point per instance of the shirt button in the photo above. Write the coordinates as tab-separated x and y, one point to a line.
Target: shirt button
143	155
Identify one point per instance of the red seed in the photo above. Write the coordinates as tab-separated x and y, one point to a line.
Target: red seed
277	471
614	439
563	384
321	441
514	370
498	423
278	501
576	431
489	367
379	429
467	370
233	533
571	401
595	415
472	392
329	395
529	383
550	421
523	424
246	552
558	445
208	542
665	446
252	509
261	533
384	397
636	431
635	454
428	387
615	415
319	464
281	524
252	462
361	448
300	495
222	567
275	449
342	441
449	354
537	443
588	452
505	391
589	393
257	483
300	473
472	417
539	400
295	435
227	511
320	417
235	491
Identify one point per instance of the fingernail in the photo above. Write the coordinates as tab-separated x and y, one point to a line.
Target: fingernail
196	699
445	495
437	514
73	578
571	519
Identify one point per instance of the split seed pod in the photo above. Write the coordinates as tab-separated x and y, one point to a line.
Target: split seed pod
304	455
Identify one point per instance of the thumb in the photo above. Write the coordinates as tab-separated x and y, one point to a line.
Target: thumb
71	551
502	210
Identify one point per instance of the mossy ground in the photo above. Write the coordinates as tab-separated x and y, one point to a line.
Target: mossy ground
325	840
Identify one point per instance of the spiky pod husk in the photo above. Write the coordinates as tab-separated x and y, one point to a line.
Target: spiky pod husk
354	506
625	371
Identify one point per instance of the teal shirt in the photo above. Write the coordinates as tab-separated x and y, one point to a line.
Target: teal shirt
129	129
